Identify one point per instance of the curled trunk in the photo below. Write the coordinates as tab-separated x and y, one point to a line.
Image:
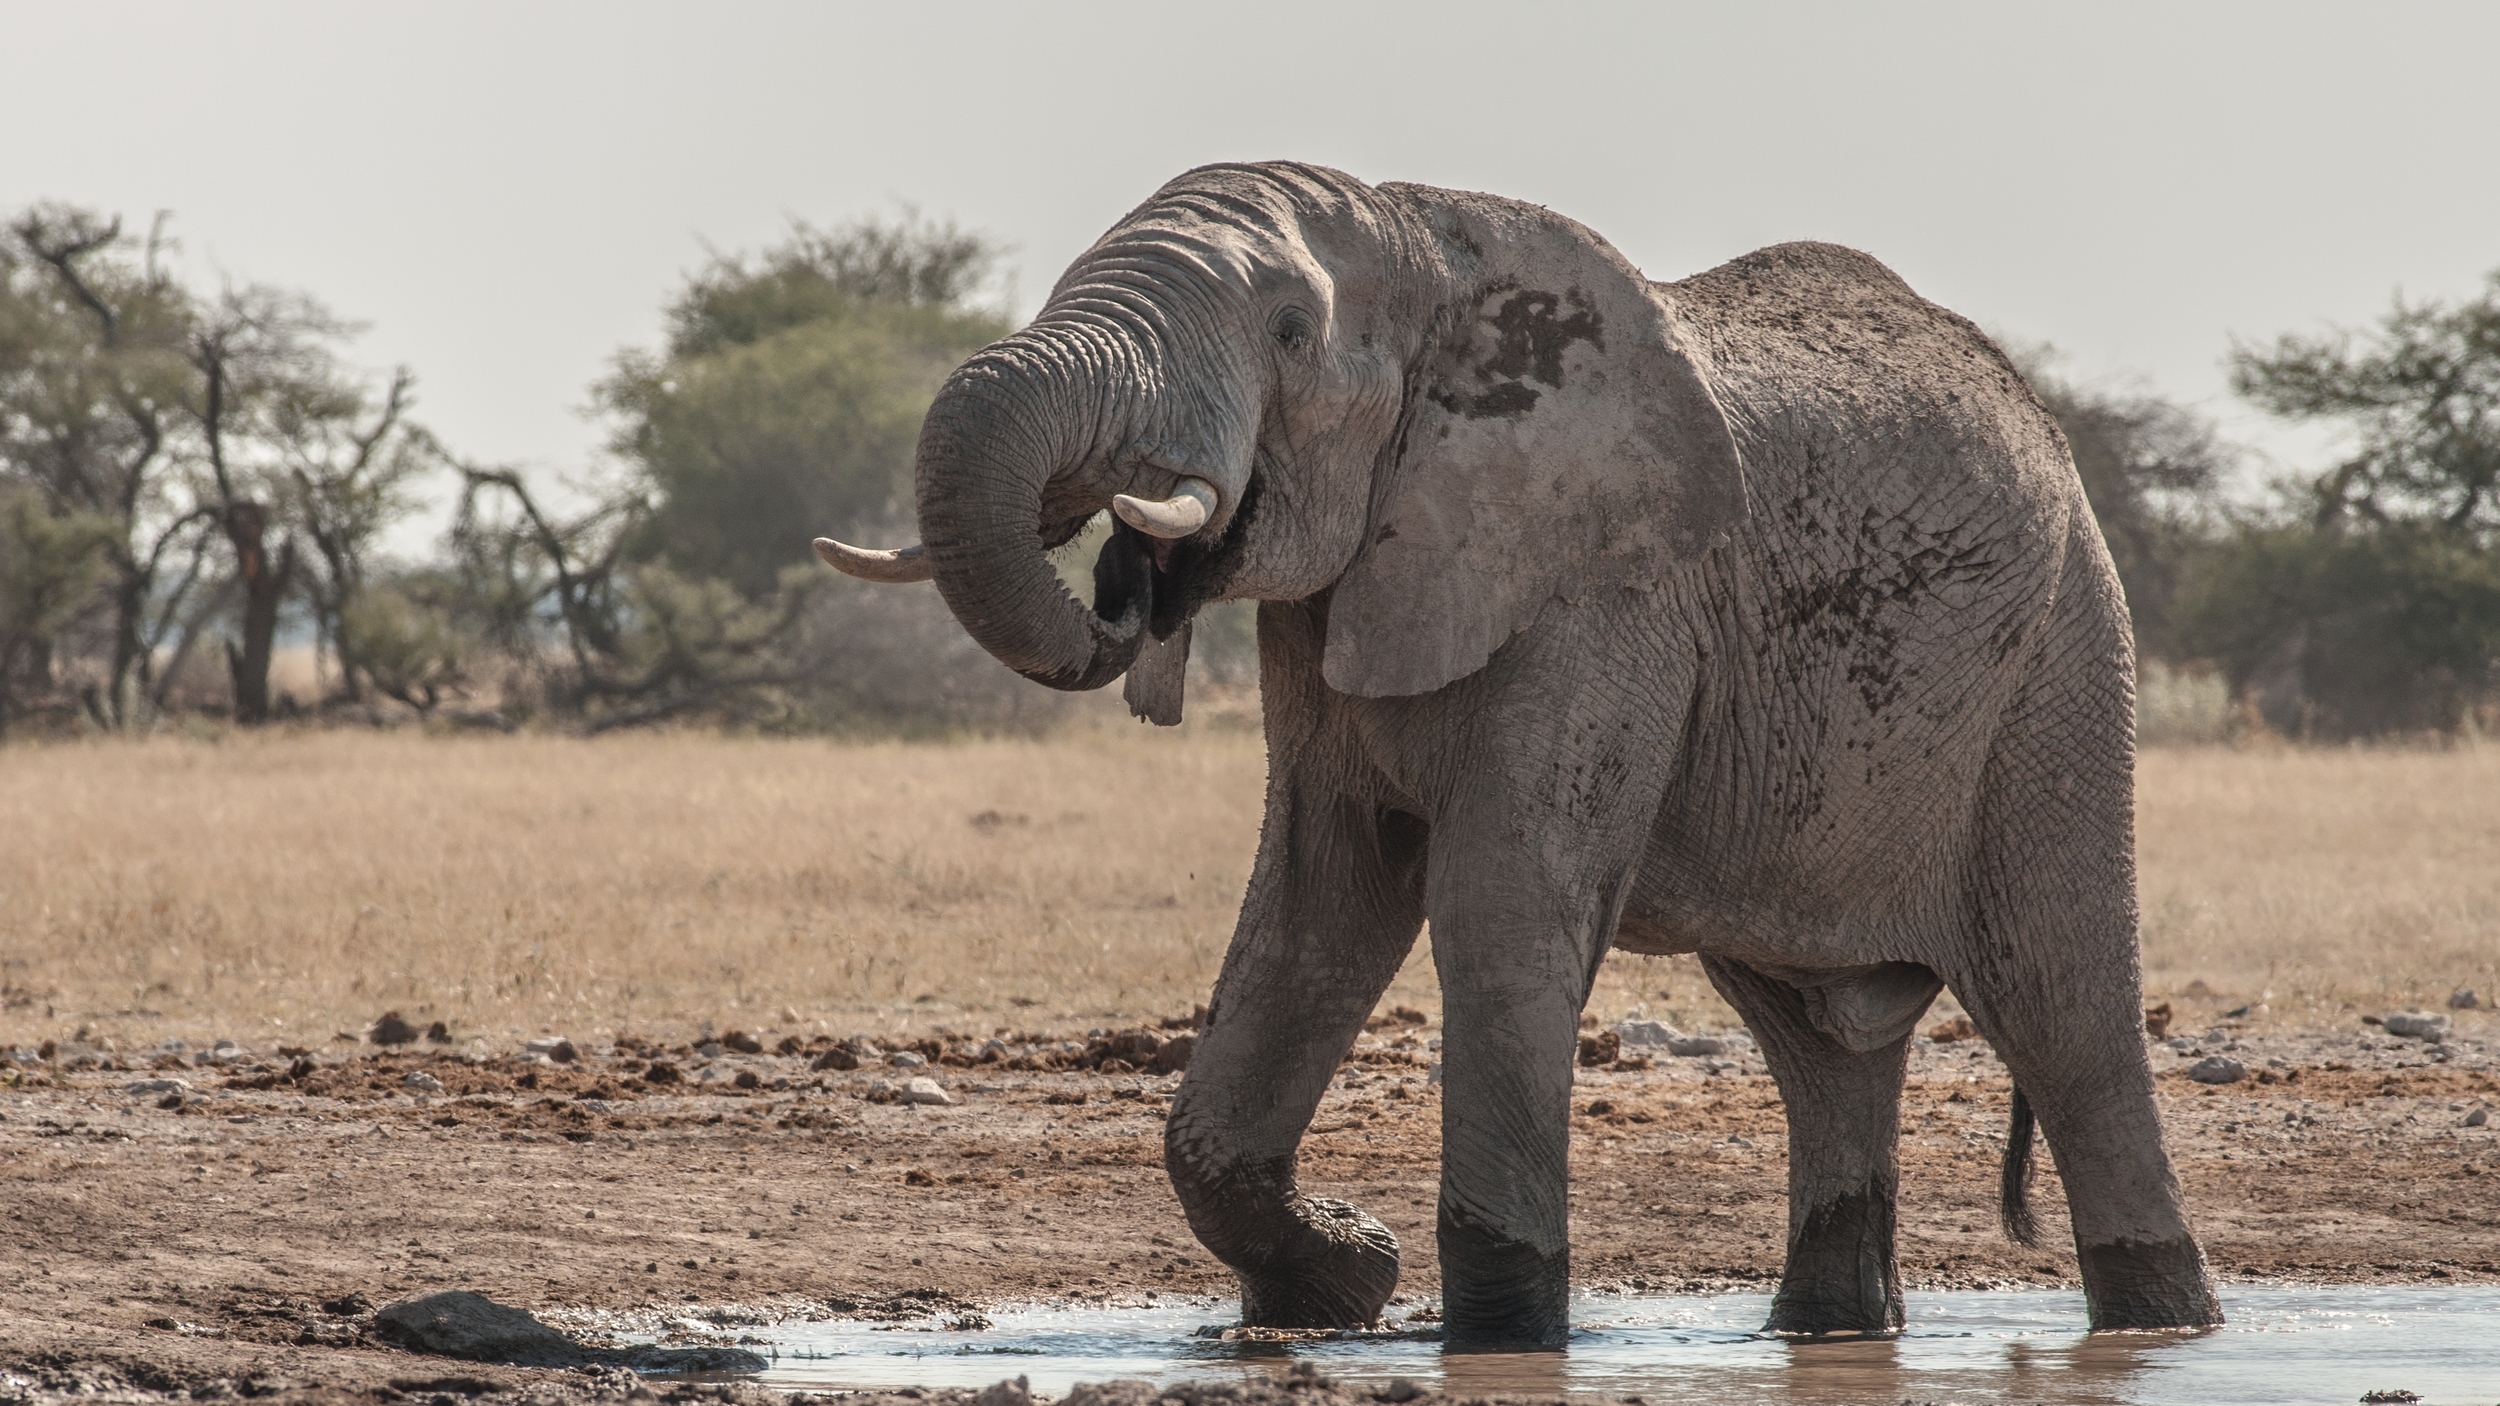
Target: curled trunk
1010	427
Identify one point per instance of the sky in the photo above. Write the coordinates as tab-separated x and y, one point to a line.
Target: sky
505	194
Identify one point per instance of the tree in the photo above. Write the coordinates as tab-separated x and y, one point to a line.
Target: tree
2421	397
2370	603
50	567
91	373
185	423
789	397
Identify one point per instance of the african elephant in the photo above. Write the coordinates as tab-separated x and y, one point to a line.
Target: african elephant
1758	615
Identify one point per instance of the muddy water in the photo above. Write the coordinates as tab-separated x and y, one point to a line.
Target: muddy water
2282	1345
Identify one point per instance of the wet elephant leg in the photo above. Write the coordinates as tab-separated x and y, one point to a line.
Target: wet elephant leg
2054	982
1535	837
1844	1126
1332	909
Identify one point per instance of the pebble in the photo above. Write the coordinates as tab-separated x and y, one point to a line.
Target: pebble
156	1086
906	1059
2478	1117
923	1090
1693	1046
423	1082
2181	1043
1645	1032
2415	1025
2214	1069
2463	999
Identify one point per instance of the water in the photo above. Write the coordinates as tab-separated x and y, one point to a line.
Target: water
2281	1346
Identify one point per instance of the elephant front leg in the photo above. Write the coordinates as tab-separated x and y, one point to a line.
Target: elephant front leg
1332	910
1511	1006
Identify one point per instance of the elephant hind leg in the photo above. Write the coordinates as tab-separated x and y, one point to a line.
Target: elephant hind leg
2051	973
1844	1175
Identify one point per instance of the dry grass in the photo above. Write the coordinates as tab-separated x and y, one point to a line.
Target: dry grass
287	886
2317	882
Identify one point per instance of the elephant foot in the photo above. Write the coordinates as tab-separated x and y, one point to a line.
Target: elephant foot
1840	1276
1499	1294
2136	1284
1338	1272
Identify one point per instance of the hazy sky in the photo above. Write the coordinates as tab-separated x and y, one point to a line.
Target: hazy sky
506	192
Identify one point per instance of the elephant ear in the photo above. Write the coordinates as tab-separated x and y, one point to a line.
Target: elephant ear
1562	444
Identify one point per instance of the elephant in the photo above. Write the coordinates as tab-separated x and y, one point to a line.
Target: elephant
1758	615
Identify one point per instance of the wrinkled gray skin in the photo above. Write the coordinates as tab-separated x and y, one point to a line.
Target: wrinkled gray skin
1758	615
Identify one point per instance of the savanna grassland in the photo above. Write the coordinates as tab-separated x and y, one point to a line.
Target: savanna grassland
288	886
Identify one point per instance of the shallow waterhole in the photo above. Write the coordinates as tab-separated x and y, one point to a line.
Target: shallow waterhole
2287	1345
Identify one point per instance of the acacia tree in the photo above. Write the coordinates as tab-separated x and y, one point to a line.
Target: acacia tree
789	396
91	373
188	424
2373	605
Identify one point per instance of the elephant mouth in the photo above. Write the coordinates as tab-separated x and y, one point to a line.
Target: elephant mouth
1189	572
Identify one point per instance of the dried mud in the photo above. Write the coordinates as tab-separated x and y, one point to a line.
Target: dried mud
233	1239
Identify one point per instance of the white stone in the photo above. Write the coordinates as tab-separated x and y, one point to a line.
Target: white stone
423	1082
1644	1032
1693	1046
2214	1069
923	1090
906	1059
2415	1025
156	1086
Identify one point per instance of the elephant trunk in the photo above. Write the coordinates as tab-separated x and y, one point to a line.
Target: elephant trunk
998	452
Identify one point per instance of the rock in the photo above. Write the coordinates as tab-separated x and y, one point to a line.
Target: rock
1695	1046
1432	1074
923	1090
1943	1032
742	1042
836	1058
748	1079
2415	1025
2181	1043
1404	1388
1630	1032
2463	999
473	1326
564	1052
1016	1393
709	1049
906	1059
347	1305
438	1033
392	1030
2214	1069
2478	1117
423	1082
156	1086
661	1072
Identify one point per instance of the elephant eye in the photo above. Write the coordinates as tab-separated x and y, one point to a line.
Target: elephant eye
1292	328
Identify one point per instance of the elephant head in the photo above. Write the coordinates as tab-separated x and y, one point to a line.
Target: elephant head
1450	408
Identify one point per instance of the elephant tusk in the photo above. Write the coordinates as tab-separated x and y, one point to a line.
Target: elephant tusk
895	568
1177	516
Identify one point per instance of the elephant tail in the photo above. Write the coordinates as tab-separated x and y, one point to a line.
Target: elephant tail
2014	1187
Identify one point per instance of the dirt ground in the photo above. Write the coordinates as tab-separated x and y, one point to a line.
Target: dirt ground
233	1235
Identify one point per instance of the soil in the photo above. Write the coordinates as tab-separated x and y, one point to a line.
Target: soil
234	1238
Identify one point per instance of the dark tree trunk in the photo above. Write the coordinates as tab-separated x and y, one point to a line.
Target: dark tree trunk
264	587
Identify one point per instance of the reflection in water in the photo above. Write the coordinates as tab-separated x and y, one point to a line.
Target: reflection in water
1501	1373
2281	1346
